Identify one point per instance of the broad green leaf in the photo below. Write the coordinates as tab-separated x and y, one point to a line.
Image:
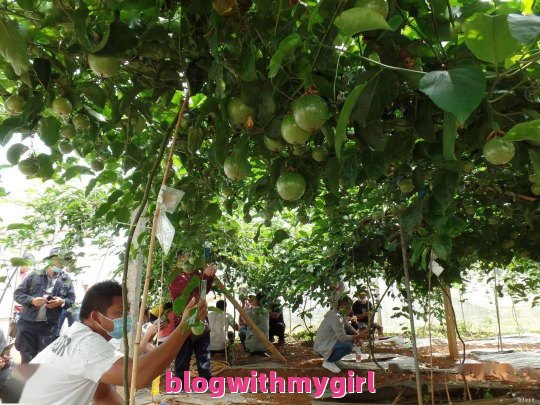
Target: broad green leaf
14	153
444	187
489	38
524	28
79	18
360	19
213	213
344	115
535	160
76	171
286	46
13	47
94	93
412	216
279	236
46	169
442	246
458	91
49	130
332	171
180	302
526	131
19	261
12	227
449	136
7	127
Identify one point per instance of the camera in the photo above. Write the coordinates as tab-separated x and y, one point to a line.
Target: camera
49	298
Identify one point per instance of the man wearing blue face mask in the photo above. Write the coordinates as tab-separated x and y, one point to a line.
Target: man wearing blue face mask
82	366
43	295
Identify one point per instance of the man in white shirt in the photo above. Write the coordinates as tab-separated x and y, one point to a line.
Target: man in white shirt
219	323
81	365
331	341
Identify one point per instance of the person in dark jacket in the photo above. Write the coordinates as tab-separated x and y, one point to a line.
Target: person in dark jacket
43	295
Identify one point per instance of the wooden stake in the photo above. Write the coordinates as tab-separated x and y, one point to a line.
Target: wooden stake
411	315
151	257
275	352
450	323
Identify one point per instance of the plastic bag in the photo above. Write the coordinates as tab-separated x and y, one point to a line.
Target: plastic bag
165	232
169	198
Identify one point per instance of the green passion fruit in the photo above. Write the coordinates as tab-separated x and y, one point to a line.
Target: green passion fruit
406	185
292	133
62	106
68	131
104	65
29	166
310	112
497	151
239	112
65	146
81	121
273	145
15	104
97	165
319	154
291	186
233	168
198	328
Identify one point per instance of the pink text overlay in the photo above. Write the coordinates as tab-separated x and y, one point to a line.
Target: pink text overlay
271	384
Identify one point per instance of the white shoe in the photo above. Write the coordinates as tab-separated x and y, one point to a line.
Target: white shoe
331	366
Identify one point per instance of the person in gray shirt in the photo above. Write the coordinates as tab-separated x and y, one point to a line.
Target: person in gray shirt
332	342
260	316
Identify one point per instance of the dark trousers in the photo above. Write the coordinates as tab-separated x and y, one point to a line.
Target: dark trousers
277	329
242	333
65	314
33	337
200	345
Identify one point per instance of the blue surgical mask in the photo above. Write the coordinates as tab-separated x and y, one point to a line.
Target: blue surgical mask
56	270
118	330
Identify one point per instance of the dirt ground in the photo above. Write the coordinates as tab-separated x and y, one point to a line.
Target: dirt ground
302	361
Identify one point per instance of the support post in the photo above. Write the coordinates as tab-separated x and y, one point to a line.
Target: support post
275	352
419	392
450	323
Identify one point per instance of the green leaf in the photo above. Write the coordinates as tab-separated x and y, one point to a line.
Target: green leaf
449	136
524	28
526	131
444	187
7	127
412	216
46	169
459	90
76	171
344	115
13	47
180	302
12	227
360	19
535	160
332	171
442	246
213	213
14	153
489	38
286	46
279	236
49	130
94	93
79	18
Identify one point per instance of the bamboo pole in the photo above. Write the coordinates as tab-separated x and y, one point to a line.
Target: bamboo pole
411	315
151	257
499	335
275	352
450	323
